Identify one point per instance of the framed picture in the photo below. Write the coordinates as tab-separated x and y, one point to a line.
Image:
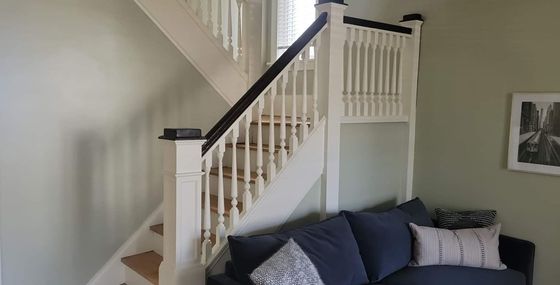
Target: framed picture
534	141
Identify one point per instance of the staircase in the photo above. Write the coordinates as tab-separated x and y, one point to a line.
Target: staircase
251	170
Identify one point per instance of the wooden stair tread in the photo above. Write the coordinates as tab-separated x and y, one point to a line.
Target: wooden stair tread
145	264
252	146
158	229
278	119
228	173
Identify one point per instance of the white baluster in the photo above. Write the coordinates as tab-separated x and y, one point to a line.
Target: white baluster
386	85
294	139
240	33
316	83
247	195
365	85
304	126
357	77
260	179
230	29
210	20
199	12
400	85
221	228
380	84
394	110
271	167
372	75
220	28
207	223
350	41
283	156
234	211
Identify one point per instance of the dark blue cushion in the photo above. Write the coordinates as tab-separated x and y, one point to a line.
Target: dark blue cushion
454	275
384	240
417	210
330	245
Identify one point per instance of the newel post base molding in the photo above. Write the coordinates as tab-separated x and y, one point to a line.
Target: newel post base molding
182	197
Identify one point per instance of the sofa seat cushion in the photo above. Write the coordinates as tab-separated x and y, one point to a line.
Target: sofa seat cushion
453	275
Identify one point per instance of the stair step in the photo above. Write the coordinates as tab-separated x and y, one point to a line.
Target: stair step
145	264
252	146
158	229
227	173
278	120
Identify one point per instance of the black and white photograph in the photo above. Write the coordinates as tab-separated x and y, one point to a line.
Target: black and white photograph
535	133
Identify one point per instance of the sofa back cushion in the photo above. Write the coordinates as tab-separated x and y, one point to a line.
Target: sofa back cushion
418	212
384	240
330	246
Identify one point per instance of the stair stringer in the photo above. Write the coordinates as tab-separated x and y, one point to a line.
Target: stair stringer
142	240
282	196
182	27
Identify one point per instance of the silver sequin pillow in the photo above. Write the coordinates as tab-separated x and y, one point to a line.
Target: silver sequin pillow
288	266
467	247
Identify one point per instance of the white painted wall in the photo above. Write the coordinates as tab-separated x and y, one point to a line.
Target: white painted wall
85	88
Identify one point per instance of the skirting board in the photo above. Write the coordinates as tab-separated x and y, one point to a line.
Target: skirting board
113	272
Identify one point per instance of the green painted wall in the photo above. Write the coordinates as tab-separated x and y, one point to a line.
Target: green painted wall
475	53
86	86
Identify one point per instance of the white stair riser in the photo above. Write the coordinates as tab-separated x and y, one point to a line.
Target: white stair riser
266	131
157	243
253	158
133	278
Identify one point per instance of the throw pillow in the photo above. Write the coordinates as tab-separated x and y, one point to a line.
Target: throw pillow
288	266
384	240
329	244
468	247
417	210
465	219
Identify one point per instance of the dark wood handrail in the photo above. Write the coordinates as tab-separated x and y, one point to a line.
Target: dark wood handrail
268	77
377	25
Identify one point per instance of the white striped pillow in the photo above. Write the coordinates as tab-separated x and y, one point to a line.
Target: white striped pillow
467	247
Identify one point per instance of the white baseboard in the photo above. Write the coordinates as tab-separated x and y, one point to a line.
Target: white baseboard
113	272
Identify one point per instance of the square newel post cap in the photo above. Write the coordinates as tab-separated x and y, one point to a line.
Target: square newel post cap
412	17
181	134
331	1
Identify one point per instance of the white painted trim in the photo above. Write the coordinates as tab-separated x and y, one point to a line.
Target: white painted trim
215	65
373	120
414	57
331	60
113	272
304	160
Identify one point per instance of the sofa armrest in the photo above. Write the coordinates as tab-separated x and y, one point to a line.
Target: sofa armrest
221	279
518	255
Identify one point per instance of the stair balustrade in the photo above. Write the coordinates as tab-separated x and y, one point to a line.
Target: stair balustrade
225	21
342	69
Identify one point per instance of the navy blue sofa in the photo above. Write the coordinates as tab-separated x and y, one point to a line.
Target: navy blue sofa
517	254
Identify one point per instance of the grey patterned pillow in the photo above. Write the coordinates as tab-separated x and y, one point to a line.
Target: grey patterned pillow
454	220
288	266
467	247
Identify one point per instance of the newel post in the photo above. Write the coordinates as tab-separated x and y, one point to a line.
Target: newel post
413	21
331	62
182	197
